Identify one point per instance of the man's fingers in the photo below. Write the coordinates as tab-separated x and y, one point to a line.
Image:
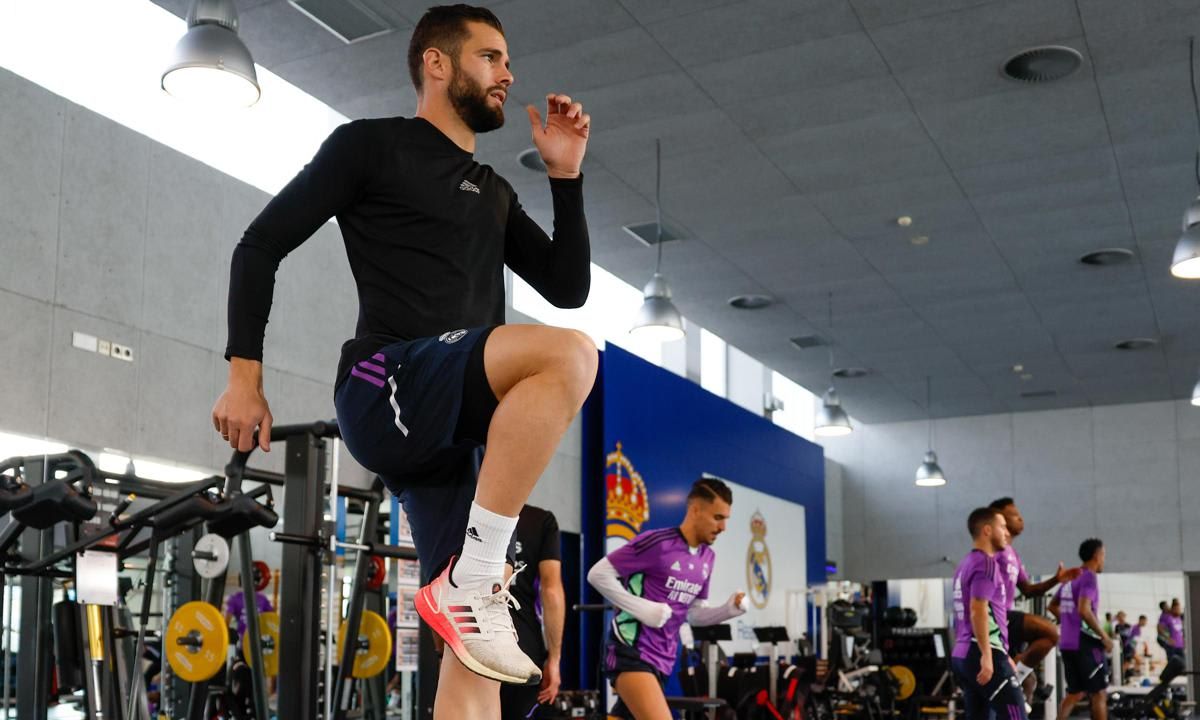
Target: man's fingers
535	118
556	102
264	432
231	434
245	439
575	110
583	122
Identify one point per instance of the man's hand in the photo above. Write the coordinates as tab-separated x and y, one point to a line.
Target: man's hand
551	678
562	141
664	614
737	601
985	669
1108	643
1067	574
243	407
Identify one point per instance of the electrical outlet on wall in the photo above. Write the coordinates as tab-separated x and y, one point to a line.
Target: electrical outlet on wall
122	352
103	347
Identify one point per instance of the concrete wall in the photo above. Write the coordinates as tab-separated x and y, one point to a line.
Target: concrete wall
106	232
1125	473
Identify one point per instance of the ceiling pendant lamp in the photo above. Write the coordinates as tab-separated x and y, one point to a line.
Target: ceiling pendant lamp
1196	394
1185	263
211	65
831	420
929	473
658	320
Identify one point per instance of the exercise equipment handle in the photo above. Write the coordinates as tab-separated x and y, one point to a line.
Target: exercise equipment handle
591	607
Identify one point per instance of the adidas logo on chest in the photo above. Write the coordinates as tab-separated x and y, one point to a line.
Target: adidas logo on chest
468	186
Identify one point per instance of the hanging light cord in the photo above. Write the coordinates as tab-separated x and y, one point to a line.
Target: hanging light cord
1195	101
929	407
658	233
831	338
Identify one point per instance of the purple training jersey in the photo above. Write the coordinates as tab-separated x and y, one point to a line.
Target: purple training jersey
658	565
235	605
978	578
1175	626
1012	572
1070	596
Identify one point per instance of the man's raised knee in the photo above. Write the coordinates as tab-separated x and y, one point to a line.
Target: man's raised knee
580	354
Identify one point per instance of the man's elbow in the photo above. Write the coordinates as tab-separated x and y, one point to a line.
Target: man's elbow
571	298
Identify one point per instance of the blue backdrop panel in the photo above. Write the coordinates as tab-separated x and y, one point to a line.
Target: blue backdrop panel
672	431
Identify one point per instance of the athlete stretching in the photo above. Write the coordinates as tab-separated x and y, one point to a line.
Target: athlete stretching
432	374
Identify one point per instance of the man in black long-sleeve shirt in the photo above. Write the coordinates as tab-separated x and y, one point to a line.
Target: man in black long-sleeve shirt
432	373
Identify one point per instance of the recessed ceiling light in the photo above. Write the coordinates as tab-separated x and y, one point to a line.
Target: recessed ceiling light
1018	368
1026	376
1108	256
851	373
1136	344
804	342
531	159
1039	394
751	301
919	240
1042	64
904	221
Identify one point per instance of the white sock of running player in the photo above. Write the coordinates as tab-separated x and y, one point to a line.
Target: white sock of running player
1023	671
485	547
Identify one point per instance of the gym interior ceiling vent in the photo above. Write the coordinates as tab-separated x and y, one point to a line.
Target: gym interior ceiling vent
1107	257
803	342
647	232
1043	64
751	301
348	20
1136	344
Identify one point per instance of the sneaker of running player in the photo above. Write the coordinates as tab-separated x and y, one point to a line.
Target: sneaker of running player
476	625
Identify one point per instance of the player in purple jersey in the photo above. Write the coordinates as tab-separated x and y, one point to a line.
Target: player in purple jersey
980	659
1084	643
658	581
1170	629
1030	637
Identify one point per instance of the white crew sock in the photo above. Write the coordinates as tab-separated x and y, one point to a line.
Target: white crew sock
1023	671
485	548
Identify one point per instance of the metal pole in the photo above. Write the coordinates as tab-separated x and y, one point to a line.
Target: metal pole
254	651
354	616
333	608
135	669
300	596
6	642
35	642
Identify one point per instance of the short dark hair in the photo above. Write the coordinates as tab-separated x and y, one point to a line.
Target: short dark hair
1162	605
444	27
1001	503
710	488
1088	548
1142	617
979	518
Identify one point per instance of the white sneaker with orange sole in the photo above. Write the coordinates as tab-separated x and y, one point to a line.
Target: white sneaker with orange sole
476	625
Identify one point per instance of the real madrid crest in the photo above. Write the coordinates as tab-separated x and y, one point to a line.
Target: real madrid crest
758	562
628	503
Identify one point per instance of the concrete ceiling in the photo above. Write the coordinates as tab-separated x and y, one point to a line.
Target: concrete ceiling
795	132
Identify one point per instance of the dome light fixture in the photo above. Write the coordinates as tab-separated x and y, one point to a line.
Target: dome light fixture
658	319
211	65
929	473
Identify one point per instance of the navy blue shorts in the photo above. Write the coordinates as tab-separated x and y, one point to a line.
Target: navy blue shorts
401	414
1000	698
1086	668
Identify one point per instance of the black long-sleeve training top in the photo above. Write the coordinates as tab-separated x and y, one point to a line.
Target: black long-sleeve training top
427	231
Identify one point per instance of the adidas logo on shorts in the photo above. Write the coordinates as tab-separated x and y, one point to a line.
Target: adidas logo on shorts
453	336
469	186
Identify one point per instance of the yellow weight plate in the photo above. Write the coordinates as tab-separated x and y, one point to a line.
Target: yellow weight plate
908	681
268	631
197	641
374	645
